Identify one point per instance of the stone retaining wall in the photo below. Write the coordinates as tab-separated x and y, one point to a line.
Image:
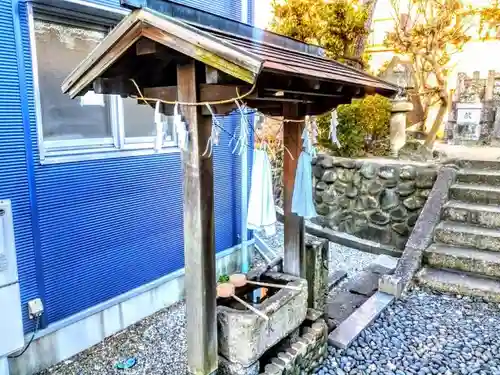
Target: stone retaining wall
305	355
374	200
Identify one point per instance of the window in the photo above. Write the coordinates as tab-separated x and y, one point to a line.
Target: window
91	125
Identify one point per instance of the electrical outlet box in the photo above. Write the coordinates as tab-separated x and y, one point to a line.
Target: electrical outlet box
35	308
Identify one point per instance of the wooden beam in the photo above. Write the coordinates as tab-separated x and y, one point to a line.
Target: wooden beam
145	46
199	244
305	93
294	255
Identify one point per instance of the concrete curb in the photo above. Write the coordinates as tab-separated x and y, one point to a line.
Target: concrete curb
422	234
345	239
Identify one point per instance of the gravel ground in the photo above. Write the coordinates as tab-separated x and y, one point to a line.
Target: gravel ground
341	257
425	334
159	341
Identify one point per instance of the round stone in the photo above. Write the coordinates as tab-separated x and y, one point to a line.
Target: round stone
322	209
346	163
399	214
345	175
318	171
405	189
340	187
425	178
356	179
387	173
424	193
408	172
351	191
326	161
368	171
375	188
412	219
344	202
389	200
320	186
318	196
379	218
414	203
390	183
369	202
329	176
400	228
329	195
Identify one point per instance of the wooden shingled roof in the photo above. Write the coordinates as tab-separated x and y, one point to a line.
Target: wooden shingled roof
266	67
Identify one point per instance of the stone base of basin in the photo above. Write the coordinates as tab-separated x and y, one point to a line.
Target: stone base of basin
244	336
230	368
304	356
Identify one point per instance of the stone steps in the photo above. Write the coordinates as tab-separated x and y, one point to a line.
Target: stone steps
463	259
479	164
472	193
463	235
476	176
459	283
484	215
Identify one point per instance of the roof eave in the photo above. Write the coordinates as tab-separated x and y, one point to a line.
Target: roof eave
172	33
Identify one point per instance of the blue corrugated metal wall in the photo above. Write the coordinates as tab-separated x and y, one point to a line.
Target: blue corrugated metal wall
103	227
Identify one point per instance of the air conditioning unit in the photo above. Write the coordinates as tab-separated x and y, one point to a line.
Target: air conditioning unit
11	323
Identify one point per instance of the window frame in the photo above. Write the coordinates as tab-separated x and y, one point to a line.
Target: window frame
118	145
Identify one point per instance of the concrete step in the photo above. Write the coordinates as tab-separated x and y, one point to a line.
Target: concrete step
463	235
477	176
478	164
459	283
478	214
480	262
471	193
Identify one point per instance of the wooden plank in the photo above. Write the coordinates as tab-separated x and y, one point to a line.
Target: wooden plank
145	46
209	93
198	52
350	328
294	255
199	244
104	62
127	24
226	53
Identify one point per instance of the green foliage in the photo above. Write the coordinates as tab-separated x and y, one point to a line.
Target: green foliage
334	25
363	127
223	279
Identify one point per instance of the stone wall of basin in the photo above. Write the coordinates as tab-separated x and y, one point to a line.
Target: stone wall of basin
304	356
374	200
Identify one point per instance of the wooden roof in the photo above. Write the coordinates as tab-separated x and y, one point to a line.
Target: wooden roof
269	67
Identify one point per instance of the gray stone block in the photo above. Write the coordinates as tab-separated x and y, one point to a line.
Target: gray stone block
366	283
350	328
230	368
342	305
244	336
383	264
391	284
335	278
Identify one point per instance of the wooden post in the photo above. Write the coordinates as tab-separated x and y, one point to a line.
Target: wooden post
199	244
294	255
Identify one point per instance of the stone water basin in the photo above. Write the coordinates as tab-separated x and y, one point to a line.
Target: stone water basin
243	336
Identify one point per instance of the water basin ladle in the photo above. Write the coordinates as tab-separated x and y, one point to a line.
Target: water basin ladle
240	279
226	290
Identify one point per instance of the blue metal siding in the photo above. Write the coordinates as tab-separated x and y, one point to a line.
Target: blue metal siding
105	226
14	183
227	8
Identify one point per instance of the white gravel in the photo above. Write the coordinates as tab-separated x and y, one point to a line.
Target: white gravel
341	257
425	334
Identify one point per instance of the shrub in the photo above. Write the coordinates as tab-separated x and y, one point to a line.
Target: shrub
363	127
